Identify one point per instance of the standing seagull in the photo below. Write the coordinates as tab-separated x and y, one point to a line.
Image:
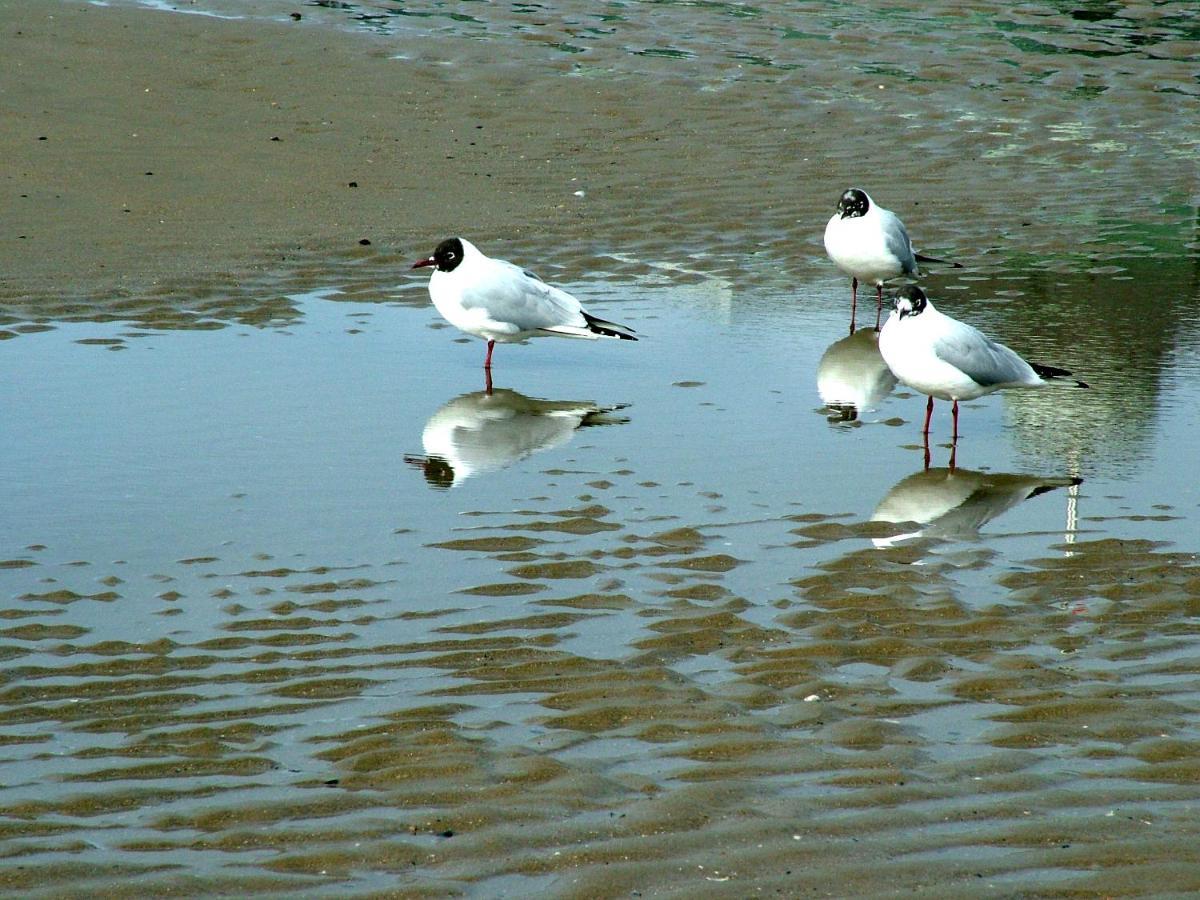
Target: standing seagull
498	301
870	244
951	360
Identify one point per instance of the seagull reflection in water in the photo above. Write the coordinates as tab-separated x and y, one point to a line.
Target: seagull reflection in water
852	377
491	429
957	503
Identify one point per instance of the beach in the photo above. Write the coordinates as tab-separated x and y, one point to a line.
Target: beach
228	149
294	600
231	149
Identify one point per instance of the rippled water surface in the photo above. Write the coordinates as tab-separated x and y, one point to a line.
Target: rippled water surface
290	602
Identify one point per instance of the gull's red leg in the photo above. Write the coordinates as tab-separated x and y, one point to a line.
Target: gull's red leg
487	363
928	414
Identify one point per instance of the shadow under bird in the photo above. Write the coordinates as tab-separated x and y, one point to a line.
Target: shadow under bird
498	301
488	430
942	357
871	245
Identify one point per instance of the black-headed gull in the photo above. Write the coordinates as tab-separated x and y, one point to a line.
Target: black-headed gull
951	360
498	301
871	245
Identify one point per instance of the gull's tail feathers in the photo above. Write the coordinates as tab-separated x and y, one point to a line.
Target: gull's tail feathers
609	329
1049	373
922	258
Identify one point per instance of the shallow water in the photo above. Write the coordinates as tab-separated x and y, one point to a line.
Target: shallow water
653	618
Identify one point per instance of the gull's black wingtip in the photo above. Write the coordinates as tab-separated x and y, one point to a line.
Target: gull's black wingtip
1049	372
609	329
922	258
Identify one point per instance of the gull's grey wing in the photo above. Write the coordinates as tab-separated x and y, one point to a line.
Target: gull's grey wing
895	237
511	294
979	357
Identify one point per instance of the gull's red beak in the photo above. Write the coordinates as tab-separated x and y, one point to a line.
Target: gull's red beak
422	263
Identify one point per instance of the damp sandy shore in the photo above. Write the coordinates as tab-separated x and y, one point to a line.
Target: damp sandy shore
144	147
228	150
252	648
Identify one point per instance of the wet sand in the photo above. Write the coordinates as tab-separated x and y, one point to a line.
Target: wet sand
230	151
233	151
227	149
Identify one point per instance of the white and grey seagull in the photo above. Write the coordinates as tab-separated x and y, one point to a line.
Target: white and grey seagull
940	356
871	245
499	301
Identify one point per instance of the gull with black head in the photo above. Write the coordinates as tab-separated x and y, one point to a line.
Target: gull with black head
498	301
871	245
942	357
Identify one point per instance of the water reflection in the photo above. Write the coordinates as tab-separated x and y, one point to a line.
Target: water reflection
491	429
956	503
1100	317
852	377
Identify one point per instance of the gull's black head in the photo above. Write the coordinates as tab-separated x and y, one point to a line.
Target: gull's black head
853	203
910	301
446	257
